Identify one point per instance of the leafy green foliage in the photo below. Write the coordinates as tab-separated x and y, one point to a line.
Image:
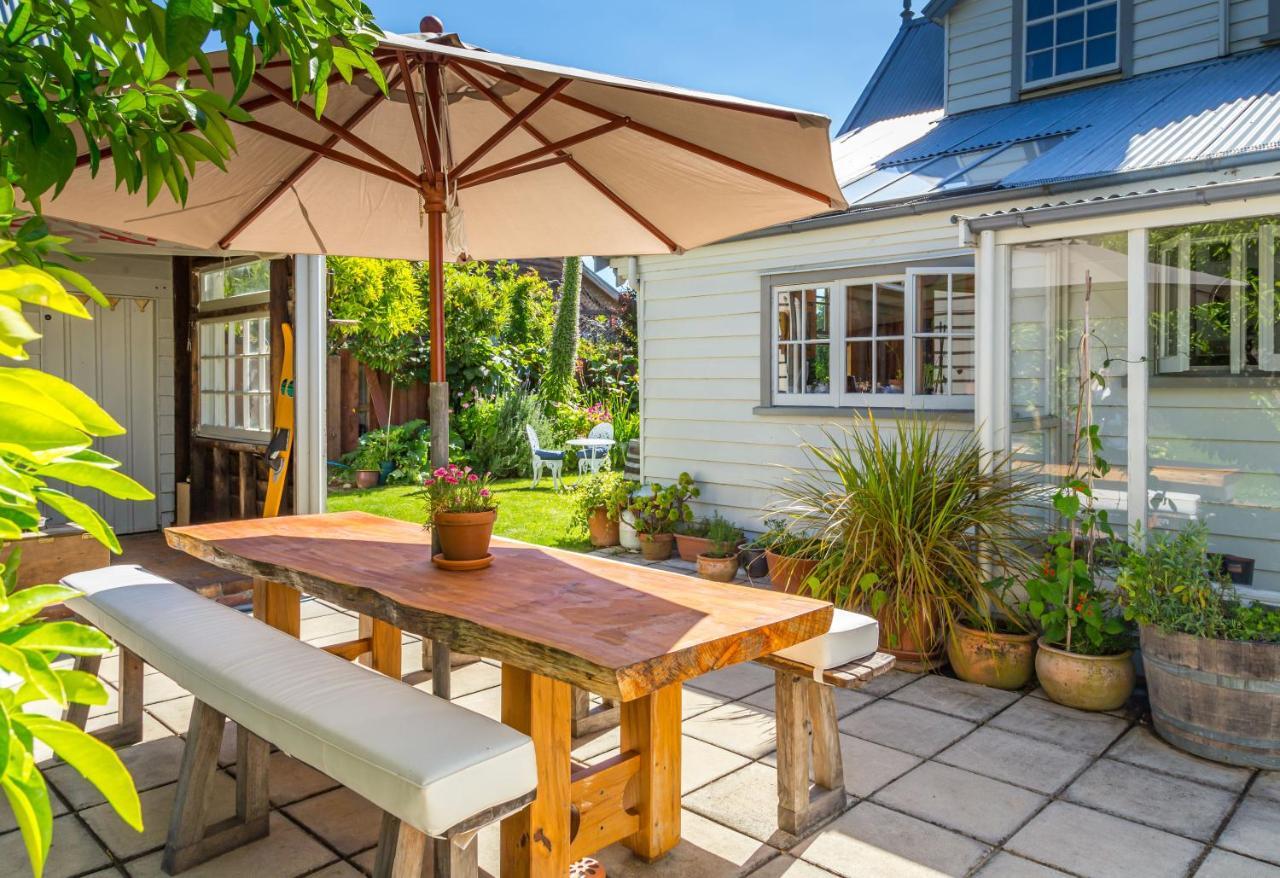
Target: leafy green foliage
607	490
1174	583
493	431
379	313
661	510
406	446
724	536
908	522
559	384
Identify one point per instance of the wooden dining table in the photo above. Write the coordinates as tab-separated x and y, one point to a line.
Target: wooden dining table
555	619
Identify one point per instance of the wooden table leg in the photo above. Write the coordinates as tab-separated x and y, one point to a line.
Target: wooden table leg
651	728
277	605
386	648
535	842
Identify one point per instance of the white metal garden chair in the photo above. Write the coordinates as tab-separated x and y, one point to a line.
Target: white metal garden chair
552	461
596	458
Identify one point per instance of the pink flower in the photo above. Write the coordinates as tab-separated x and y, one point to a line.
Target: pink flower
428	481
484	492
451	480
473	478
440	472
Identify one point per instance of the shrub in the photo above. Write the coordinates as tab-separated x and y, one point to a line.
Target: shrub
494	430
605	489
407	446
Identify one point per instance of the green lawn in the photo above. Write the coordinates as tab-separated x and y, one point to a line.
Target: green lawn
534	515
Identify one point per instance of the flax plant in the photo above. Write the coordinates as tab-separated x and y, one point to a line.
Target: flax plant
909	527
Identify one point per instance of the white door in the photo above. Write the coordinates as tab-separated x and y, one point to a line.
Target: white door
113	359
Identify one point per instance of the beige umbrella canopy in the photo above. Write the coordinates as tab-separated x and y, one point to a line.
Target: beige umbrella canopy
485	155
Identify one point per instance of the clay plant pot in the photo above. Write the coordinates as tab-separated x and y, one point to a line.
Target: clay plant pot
656	547
603	530
915	641
367	478
718	569
464	536
690	547
991	658
1085	682
788	574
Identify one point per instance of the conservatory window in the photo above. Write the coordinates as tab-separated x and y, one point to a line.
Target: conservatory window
1215	298
235	283
235	377
900	341
1064	39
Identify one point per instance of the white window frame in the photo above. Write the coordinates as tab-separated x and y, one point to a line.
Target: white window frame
1173	302
836	396
236	434
1053	17
939	400
246	300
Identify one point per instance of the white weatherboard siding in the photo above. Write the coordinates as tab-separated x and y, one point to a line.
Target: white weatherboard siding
124	359
1248	24
1168	33
980	60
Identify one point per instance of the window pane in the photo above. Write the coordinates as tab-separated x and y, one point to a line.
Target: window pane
931	309
945	366
1211	303
817	305
788	306
790	369
1040	36
858	374
817	368
239	280
1068	5
889	366
804	368
963	303
1068	59
1102	20
1071	28
1101	51
890	316
1039	9
858	315
1039	65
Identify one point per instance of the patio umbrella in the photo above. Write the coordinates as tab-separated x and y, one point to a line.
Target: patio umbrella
483	155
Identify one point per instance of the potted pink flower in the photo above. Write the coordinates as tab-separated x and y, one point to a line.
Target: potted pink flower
462	508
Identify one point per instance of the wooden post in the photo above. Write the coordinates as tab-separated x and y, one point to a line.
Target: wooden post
333	408
386	651
247	484
278	605
349	392
651	728
536	840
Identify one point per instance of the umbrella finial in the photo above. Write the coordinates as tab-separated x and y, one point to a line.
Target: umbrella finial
430	25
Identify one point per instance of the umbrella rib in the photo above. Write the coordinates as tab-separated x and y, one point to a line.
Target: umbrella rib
328	153
303	167
639	218
406	75
557	146
671	139
512	124
481	179
339	131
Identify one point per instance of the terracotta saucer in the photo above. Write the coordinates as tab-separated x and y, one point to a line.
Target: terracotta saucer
478	564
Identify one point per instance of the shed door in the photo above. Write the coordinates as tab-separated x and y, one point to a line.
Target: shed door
113	359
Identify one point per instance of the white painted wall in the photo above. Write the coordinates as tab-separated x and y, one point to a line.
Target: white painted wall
1248	24
980	61
1168	33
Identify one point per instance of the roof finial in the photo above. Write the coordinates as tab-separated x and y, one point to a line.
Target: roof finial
906	11
430	24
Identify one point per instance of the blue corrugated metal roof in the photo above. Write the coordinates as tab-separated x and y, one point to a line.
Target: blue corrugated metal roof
908	80
1142	124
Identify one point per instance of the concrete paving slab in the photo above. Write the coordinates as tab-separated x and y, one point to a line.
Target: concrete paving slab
739	727
1225	864
1254	830
1046	720
986	809
706	850
1141	746
1015	759
905	727
955	697
867	766
1145	796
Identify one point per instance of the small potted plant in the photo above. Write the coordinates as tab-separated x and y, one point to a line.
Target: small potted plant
655	517
462	509
792	559
1211	660
691	539
719	562
598	500
994	643
753	550
366	463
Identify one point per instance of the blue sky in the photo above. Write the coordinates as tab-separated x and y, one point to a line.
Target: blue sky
810	54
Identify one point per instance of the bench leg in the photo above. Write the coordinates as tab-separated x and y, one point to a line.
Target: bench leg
808	739
588	720
191	841
457	856
128	727
403	852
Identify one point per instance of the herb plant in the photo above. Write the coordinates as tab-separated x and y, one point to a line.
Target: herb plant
724	537
607	490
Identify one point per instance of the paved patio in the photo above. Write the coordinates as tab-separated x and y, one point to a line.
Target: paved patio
945	778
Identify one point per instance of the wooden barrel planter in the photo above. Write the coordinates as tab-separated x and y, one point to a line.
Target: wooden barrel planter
1219	699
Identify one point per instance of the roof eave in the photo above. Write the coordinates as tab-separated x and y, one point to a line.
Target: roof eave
936	10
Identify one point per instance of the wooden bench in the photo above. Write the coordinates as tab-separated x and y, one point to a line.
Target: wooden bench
805	713
438	771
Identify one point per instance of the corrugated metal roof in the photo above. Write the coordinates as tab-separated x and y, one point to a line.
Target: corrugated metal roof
908	80
1148	123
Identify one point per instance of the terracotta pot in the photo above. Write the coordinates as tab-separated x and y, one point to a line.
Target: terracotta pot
604	531
464	536
656	547
1085	682
690	547
917	639
367	478
788	574
1002	661
718	569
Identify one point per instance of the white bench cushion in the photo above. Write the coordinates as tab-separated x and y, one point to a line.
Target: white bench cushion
852	636
430	763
